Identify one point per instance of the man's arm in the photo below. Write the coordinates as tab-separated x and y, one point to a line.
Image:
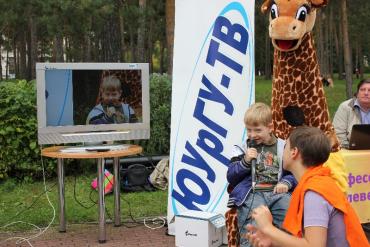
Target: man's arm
274	237
265	232
340	123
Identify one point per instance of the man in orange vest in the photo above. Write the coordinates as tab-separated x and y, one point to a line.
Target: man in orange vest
319	214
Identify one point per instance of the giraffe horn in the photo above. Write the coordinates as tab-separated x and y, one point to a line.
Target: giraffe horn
266	6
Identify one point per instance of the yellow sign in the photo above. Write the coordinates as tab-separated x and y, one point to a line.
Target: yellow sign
358	167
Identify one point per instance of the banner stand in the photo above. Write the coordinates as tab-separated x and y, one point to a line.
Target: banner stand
213	85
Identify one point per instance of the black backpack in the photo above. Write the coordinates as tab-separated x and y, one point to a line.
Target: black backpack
135	178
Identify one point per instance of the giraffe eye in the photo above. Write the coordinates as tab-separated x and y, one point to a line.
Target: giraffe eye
274	11
302	13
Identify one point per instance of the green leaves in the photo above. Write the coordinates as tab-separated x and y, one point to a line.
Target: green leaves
160	115
19	153
9	129
33	145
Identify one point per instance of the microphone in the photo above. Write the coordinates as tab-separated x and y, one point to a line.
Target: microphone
253	144
112	113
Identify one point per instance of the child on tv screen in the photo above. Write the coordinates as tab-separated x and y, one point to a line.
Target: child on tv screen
111	109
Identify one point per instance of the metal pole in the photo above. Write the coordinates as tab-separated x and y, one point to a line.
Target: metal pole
117	207
101	200
62	220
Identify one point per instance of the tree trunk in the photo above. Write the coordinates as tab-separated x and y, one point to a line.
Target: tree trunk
357	69
33	47
16	60
161	58
170	30
267	56
22	55
58	48
132	46
111	43
67	49
141	33
29	50
322	42
7	64
346	50
361	62
86	49
338	47
149	43
319	37
326	51
42	54
331	38
96	54
1	61
121	30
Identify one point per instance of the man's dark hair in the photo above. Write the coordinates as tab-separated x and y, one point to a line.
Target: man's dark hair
312	143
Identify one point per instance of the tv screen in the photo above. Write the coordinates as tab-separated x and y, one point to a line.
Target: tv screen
92	102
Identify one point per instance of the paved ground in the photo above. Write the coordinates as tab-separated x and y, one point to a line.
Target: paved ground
87	235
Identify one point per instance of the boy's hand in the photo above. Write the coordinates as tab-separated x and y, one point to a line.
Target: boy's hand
110	111
263	217
250	154
281	188
256	237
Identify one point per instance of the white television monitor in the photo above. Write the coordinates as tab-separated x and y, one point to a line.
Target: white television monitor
92	102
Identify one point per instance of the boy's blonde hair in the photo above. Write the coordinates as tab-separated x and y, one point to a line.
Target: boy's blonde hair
110	83
257	114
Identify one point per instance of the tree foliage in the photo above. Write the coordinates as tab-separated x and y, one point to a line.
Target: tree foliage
83	31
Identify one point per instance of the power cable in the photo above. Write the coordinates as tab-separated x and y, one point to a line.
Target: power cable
40	230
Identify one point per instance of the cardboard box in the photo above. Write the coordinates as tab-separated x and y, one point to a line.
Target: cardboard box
224	236
197	228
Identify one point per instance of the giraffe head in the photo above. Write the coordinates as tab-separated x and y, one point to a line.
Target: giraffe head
290	20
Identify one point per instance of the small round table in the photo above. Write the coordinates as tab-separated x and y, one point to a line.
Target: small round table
54	152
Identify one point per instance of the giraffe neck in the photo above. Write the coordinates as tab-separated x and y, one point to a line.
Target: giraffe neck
297	60
297	82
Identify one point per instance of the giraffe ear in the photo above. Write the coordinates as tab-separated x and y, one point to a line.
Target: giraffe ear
319	3
266	6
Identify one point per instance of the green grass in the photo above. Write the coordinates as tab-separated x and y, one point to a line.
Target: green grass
334	95
21	201
18	198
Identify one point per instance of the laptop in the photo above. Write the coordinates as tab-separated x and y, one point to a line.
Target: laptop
360	137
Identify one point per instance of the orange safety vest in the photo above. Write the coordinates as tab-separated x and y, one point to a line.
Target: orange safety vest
318	179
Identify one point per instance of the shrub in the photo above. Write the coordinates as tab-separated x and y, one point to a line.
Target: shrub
160	115
19	152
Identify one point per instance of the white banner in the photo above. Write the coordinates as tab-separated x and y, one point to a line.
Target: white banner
213	85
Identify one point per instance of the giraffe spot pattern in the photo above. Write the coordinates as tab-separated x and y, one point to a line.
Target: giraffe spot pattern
297	82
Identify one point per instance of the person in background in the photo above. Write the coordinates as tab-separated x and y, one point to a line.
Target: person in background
270	184
319	213
111	109
353	111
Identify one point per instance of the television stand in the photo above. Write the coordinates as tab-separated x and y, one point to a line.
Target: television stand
56	152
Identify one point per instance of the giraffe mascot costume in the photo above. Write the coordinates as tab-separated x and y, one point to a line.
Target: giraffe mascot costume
298	97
